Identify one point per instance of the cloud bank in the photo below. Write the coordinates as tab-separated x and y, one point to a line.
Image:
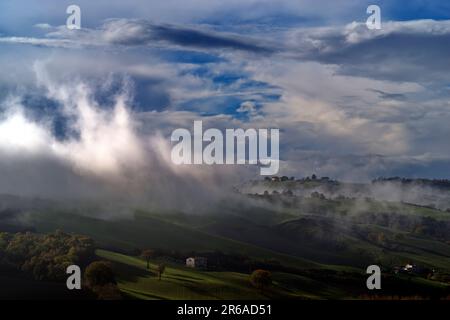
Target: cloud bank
108	157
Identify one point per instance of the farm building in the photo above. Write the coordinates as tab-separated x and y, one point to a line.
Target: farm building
196	262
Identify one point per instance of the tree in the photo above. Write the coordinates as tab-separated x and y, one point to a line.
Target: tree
107	292
261	279
101	281
161	269
99	273
147	255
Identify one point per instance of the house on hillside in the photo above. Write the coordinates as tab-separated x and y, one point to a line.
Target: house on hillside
197	262
414	269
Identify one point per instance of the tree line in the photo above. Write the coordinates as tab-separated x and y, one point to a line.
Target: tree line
45	256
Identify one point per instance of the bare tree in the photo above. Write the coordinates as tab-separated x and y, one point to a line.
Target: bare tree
147	255
161	269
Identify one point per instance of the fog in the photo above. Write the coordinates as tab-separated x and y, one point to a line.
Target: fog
362	193
107	157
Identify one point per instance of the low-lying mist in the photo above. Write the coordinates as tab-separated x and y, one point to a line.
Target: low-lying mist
394	191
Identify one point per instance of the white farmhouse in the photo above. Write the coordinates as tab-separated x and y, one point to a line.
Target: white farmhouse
196	262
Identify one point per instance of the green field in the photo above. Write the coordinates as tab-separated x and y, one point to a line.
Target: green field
180	282
315	235
315	248
147	231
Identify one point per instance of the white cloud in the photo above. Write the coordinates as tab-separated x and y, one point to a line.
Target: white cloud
248	107
17	134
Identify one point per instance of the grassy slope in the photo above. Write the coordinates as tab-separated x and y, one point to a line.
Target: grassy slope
171	232
149	232
289	237
252	234
179	283
184	283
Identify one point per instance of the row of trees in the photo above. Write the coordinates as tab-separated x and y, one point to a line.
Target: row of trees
437	183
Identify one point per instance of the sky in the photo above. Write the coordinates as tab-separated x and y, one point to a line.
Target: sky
92	109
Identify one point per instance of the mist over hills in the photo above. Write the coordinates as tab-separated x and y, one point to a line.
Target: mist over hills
422	192
285	225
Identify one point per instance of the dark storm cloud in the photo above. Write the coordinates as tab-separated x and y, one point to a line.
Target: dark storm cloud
405	57
134	32
208	39
141	32
389	96
415	51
